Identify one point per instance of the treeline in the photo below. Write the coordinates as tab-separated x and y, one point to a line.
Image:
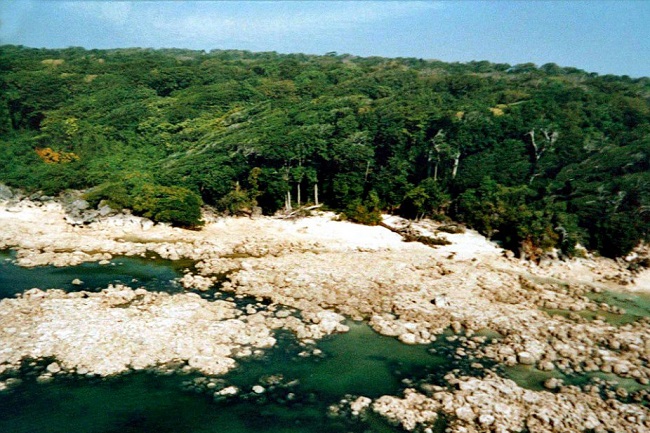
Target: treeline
535	157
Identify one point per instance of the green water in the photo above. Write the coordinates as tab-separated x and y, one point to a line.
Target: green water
154	274
360	362
298	389
636	306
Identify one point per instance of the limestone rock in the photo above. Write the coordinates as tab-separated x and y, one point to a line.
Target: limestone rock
525	358
359	405
53	368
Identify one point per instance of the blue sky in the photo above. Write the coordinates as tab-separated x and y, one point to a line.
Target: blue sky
608	37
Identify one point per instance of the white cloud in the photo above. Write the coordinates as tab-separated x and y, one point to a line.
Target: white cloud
210	22
279	17
112	12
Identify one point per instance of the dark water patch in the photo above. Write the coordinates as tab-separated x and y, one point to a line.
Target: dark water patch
154	274
359	362
144	402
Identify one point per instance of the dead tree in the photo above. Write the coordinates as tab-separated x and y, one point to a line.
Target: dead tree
540	147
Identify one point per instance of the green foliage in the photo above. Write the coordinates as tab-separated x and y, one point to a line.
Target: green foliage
157	131
366	211
505	214
237	201
426	199
170	204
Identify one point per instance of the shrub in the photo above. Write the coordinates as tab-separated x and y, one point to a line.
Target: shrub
364	212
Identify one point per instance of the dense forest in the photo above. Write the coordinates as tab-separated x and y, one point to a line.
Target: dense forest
534	157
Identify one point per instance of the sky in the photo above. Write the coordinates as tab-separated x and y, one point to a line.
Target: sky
603	36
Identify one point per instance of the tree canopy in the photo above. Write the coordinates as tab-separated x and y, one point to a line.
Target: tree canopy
534	157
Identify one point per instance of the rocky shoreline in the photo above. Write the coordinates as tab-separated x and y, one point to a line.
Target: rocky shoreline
495	305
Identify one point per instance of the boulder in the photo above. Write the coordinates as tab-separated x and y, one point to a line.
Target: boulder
53	368
5	192
359	405
486	419
552	383
525	358
465	413
105	210
230	390
78	205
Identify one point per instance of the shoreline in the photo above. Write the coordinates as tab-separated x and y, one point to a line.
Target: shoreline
328	270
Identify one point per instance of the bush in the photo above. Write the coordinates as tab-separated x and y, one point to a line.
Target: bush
171	204
238	201
364	212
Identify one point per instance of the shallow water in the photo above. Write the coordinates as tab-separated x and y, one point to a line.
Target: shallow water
154	274
636	306
360	362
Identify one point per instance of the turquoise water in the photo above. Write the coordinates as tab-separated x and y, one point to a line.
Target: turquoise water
298	389
360	362
158	274
636	306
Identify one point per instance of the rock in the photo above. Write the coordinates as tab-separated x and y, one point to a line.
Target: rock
486	419
229	390
44	378
53	368
13	382
620	368
525	358
105	210
282	314
78	205
408	338
546	366
622	392
359	405
77	282
439	301
552	383
465	413
5	192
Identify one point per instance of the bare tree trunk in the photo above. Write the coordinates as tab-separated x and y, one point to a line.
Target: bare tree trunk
316	193
298	193
454	171
287	202
548	143
365	179
435	146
